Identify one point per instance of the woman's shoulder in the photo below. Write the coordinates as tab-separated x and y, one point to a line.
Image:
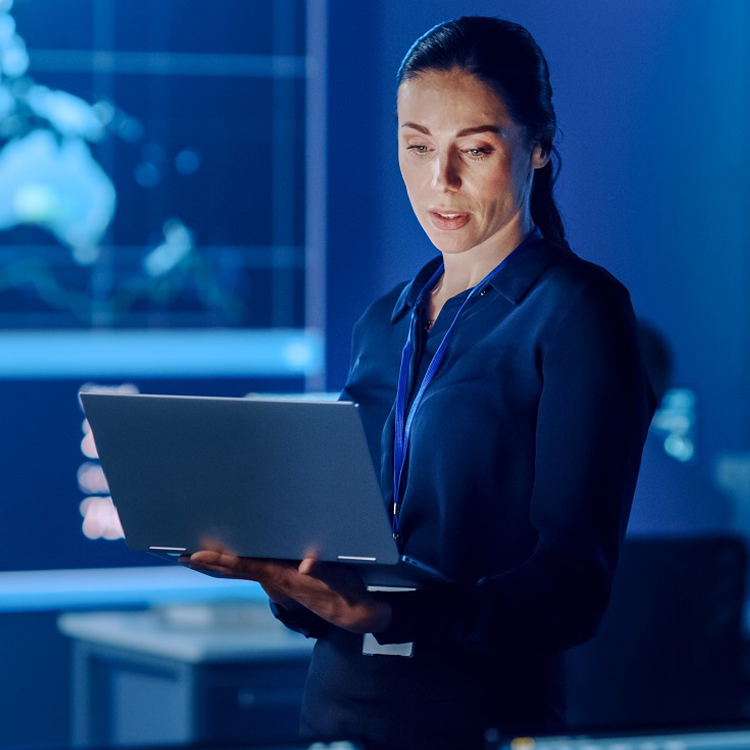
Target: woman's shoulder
576	274
382	309
583	298
376	321
573	287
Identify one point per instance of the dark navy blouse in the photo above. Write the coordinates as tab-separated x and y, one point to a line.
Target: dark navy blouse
521	470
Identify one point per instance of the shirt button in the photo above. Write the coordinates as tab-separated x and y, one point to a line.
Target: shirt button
483	292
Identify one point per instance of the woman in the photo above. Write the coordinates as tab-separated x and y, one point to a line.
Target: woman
503	394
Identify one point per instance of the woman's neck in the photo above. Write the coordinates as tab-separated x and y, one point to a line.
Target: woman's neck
465	270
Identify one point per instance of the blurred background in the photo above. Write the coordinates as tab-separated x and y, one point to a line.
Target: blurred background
202	198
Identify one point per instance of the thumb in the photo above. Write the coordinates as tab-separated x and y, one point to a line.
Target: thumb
307	566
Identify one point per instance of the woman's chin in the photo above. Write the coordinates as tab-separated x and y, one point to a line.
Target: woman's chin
451	247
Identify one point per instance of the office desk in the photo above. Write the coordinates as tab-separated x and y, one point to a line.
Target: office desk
138	678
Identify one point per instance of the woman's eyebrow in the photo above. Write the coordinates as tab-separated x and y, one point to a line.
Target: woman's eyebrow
461	133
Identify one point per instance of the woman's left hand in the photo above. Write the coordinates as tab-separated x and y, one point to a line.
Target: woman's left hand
332	591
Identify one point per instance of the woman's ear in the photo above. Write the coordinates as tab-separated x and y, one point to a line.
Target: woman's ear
539	157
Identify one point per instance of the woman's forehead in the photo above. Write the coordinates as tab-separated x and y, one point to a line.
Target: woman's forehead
453	98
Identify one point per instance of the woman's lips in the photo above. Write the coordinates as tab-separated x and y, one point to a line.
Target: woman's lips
449	220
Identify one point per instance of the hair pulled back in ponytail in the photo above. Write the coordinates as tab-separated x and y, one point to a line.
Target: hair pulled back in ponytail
504	56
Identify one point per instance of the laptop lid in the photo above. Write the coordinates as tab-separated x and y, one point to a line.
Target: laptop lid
267	478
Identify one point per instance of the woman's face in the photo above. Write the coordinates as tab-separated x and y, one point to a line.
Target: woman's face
466	164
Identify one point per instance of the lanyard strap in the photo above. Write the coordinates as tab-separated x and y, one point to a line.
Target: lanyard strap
403	429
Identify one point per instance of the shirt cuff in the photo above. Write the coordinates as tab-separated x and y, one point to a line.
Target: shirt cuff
299	618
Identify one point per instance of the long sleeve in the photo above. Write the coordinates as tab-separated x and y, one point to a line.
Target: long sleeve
301	619
593	413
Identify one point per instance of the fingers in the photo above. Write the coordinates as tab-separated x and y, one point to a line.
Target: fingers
212	544
212	553
216	558
207	562
209	557
269	573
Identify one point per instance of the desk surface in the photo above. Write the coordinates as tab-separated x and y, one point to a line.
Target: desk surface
149	633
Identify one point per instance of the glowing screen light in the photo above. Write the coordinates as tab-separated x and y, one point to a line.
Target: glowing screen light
674	422
91	479
100	518
88	447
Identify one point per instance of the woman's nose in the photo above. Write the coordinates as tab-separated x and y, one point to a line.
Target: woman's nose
446	176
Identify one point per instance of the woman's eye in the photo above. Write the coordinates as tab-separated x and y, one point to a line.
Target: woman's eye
478	153
418	149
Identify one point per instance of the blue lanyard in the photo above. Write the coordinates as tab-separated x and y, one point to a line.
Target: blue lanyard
403	431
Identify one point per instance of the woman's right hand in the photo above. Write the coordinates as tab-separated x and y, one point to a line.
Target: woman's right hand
333	592
270	574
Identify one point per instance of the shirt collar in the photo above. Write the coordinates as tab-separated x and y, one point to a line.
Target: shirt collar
513	281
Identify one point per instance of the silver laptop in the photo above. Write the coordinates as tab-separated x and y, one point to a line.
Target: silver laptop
267	478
